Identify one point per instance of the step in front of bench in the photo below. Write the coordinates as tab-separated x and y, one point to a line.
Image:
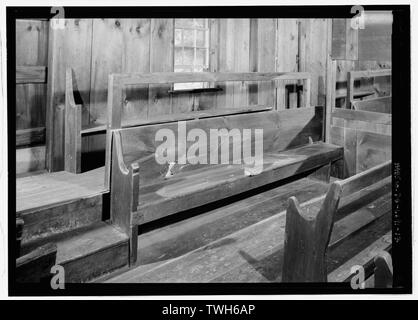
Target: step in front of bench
54	203
195	188
89	252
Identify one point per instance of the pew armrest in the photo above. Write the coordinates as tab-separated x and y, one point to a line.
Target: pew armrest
73	121
124	187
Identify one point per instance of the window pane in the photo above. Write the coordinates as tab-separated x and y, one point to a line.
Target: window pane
178	37
200	38
188	56
201	57
178	55
188	36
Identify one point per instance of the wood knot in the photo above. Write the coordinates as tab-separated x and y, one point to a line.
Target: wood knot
77	22
117	23
161	30
138	29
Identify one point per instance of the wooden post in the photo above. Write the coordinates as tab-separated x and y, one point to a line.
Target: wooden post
306	239
330	84
124	194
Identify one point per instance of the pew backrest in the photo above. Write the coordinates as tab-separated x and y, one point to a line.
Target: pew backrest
308	230
353	75
281	130
118	83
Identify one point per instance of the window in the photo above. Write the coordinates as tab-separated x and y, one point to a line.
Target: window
191	44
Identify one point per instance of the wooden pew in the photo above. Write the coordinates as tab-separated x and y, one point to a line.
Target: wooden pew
118	83
36	265
75	131
352	76
309	228
141	191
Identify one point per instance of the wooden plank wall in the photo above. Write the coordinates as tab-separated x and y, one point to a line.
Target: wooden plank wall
362	49
31	54
31	50
94	48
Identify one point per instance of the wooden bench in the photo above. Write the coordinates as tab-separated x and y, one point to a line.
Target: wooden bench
379	104
140	191
309	230
75	132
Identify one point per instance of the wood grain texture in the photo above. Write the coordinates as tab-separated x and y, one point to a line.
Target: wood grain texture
252	252
66	46
31	54
308	229
287	56
161	60
33	136
372	149
364	257
313	38
266	54
72	130
35	266
382	105
91	252
306	238
35	191
30	74
30	159
338	39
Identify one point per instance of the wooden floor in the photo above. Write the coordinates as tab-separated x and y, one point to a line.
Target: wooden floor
45	189
243	241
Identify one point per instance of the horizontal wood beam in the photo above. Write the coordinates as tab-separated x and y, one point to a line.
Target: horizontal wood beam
31	136
185	77
30	74
370	73
368	116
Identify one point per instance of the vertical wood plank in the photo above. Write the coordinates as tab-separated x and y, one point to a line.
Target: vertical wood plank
313	55
226	61
287	54
253	61
66	47
161	59
241	42
266	59
106	58
136	58
351	49
338	38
